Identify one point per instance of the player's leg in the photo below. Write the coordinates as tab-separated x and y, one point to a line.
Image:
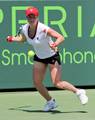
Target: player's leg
55	70
38	75
39	70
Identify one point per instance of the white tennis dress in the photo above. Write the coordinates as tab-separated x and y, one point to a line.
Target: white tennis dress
41	41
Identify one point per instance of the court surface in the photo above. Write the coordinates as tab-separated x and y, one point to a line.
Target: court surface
29	106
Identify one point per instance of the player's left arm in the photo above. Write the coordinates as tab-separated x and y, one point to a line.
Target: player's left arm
59	38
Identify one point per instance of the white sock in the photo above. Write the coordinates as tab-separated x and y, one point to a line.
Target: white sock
78	92
50	100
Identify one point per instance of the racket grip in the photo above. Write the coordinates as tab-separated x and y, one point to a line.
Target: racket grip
56	49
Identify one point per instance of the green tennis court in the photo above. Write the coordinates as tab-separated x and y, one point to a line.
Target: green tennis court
29	106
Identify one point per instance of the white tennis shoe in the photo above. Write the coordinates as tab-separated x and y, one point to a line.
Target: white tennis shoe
50	105
82	96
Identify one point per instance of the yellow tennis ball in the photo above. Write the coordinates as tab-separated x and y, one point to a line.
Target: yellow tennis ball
31	53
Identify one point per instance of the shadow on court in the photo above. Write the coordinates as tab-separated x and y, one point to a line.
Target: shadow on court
30	109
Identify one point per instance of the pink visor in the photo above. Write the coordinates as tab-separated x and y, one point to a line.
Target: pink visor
32	10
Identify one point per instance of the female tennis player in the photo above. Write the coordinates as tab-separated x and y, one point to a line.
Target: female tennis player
40	37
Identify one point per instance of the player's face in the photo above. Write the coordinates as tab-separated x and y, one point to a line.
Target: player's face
32	19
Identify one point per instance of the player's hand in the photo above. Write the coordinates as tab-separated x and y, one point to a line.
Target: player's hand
10	39
53	46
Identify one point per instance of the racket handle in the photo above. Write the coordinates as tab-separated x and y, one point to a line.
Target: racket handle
56	49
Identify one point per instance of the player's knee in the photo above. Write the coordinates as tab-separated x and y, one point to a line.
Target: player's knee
60	84
37	82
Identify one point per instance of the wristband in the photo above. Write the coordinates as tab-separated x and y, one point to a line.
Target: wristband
10	39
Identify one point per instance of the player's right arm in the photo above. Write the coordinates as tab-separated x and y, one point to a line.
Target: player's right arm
18	38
